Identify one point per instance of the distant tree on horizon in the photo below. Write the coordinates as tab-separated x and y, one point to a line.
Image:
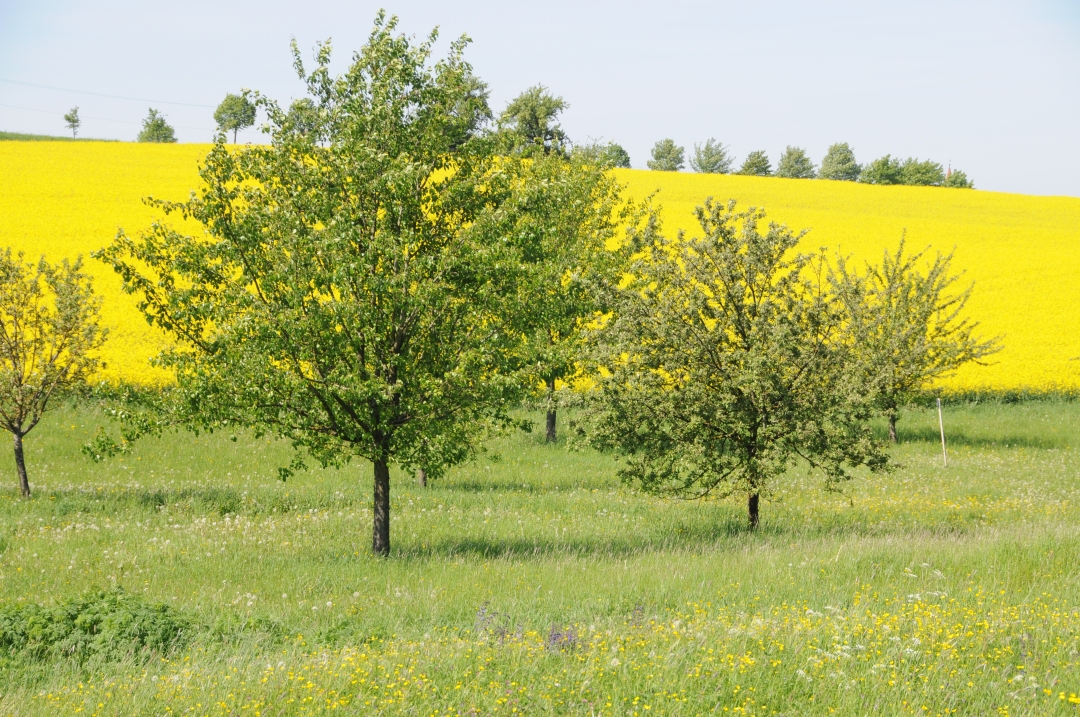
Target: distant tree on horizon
883	170
957	179
156	129
921	174
72	121
611	154
839	164
756	164
531	121
711	158
795	164
667	156
236	112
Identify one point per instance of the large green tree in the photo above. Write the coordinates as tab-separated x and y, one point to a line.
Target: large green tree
724	363
906	325
236	112
346	292
883	170
667	156
922	173
49	331
839	164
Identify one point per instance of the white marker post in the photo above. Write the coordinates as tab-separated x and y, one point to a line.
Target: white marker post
941	425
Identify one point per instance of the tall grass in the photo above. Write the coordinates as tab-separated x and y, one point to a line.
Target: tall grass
532	581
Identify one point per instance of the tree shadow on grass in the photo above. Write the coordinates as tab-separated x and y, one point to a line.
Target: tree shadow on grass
928	434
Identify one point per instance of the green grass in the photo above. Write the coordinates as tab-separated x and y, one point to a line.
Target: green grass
22	137
532	581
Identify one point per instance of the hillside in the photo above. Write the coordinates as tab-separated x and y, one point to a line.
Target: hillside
1023	252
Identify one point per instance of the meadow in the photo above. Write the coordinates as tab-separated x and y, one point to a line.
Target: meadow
531	582
64	199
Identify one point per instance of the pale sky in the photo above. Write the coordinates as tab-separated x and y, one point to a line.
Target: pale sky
992	86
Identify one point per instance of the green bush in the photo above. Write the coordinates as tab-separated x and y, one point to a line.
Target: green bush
98	626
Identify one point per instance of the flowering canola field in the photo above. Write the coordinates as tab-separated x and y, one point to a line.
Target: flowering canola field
62	199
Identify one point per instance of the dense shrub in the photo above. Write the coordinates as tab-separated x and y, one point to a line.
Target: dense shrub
98	626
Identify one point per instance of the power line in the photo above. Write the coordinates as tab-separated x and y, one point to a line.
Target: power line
101	94
100	119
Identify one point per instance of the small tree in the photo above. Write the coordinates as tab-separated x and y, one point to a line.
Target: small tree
923	174
531	121
156	129
957	179
711	158
347	292
756	164
839	164
884	170
794	164
723	366
667	156
72	121
906	326
236	112
48	333
562	217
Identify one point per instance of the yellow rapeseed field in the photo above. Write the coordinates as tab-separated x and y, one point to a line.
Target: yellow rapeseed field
1023	252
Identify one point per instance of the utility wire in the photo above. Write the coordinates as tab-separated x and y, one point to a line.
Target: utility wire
100	119
101	94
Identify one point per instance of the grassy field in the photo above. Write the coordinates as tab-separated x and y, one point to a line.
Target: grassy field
531	582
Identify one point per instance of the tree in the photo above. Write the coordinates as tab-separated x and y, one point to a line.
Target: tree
906	326
756	164
610	154
722	365
563	216
48	333
666	156
794	164
346	292
711	158
839	164
72	121
236	112
303	116
156	129
884	170
530	120
924	174
957	179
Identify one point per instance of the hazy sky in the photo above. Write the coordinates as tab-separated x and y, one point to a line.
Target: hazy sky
991	86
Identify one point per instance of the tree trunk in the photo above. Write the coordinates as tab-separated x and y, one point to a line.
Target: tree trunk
551	435
752	508
20	465
380	529
421	478
892	428
234	135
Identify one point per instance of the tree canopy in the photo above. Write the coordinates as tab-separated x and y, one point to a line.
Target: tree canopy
795	164
711	158
236	112
531	120
839	164
906	326
667	156
156	129
72	121
723	363
347	292
756	164
49	331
